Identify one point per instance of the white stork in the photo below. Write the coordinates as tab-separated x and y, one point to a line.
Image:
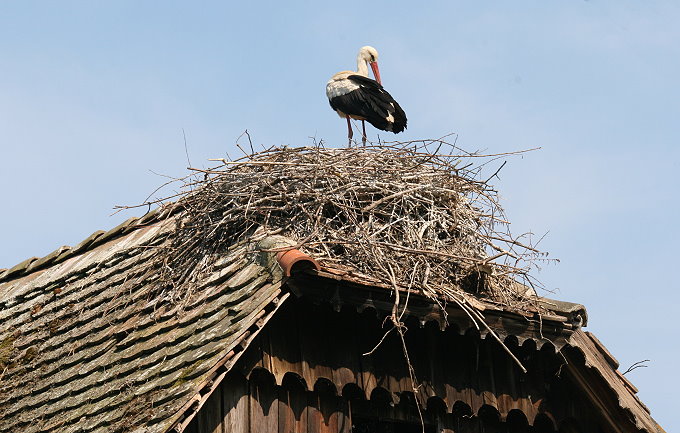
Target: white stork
354	95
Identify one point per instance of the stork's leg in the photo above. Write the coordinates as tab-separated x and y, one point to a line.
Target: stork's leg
363	137
349	131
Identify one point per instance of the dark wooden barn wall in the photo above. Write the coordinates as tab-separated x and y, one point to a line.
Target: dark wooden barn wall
259	405
307	373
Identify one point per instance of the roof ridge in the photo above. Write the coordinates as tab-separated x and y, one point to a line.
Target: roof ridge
94	240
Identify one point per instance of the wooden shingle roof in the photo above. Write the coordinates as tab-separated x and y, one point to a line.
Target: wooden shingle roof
84	348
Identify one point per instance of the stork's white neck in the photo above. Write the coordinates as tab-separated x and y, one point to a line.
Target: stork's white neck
362	66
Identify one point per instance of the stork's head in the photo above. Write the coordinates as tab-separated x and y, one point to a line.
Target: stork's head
370	56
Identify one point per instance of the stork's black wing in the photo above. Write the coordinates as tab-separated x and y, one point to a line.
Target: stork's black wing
372	102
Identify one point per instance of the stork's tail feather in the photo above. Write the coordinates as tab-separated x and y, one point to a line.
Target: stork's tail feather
394	121
399	123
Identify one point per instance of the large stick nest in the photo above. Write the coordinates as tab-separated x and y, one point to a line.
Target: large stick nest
399	213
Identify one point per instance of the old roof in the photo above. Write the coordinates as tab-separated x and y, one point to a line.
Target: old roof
600	361
84	347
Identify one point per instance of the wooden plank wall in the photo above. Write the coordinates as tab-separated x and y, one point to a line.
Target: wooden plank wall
306	373
259	405
315	343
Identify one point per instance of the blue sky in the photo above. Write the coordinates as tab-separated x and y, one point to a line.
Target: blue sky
94	97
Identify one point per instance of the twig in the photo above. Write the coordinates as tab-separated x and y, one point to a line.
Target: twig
496	173
186	149
377	203
639	364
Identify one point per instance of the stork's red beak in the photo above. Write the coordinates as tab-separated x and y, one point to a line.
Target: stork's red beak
376	71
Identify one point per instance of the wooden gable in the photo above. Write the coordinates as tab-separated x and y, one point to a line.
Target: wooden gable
308	371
